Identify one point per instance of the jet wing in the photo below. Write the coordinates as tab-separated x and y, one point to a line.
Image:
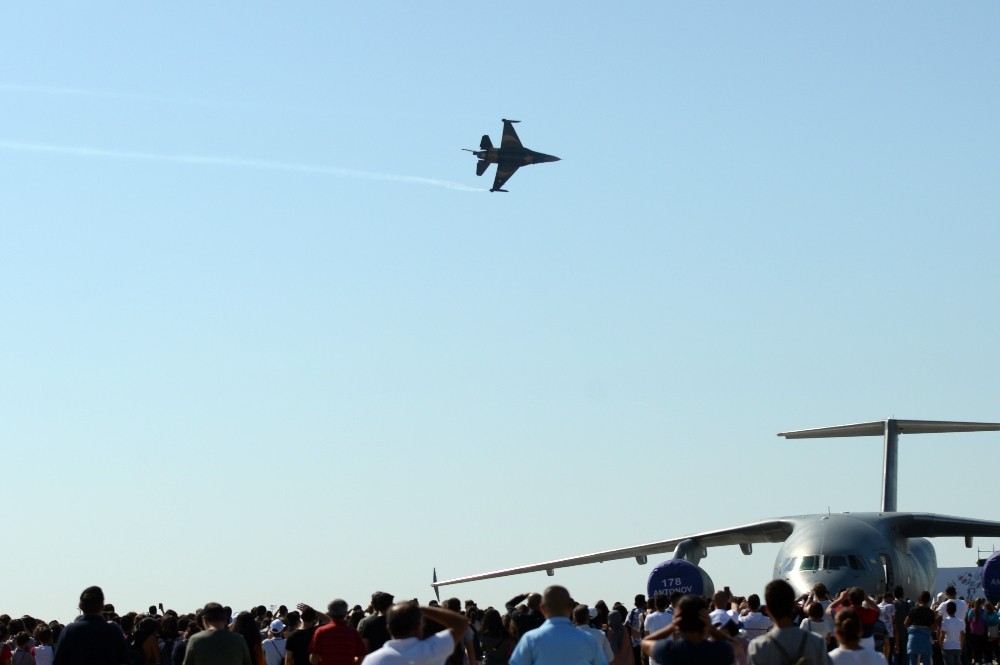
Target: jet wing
504	172
509	139
772	531
930	525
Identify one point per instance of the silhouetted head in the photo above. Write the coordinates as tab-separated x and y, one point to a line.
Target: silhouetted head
848	628
214	615
661	602
581	615
404	620
691	610
92	600
753	602
556	601
780	598
534	601
857	596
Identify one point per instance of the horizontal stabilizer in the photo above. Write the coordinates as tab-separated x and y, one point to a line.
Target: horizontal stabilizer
485	143
481	166
877	428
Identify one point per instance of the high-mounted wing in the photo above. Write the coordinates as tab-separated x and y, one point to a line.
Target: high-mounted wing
509	139
504	172
930	525
772	531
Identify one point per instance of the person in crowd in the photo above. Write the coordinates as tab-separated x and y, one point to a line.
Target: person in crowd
336	642
633	622
526	620
556	641
465	653
192	627
407	648
215	645
864	606
951	594
274	646
91	640
785	642
144	644
887	613
756	623
600	618
850	651
691	644
373	628
951	637
22	650
992	633
495	639
169	634
355	616
976	635
816	622
246	625
581	618
618	639
660	617
919	623
44	652
298	641
901	609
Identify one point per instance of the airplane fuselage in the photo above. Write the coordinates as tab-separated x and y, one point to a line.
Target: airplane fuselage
514	156
854	549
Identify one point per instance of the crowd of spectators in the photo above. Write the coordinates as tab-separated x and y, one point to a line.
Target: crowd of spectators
531	629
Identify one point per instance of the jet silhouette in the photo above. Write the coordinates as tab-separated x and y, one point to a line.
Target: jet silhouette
509	157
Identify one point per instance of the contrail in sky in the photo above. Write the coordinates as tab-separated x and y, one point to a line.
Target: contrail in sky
214	160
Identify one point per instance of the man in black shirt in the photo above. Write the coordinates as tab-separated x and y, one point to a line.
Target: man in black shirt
91	640
374	629
525	621
297	644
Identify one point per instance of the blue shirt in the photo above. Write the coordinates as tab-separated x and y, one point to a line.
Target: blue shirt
557	642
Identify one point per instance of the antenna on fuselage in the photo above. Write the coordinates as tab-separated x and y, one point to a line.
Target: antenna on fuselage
889	430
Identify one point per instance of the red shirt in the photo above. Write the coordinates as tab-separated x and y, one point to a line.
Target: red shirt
337	643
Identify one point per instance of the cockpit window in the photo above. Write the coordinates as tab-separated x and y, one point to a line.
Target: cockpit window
835	562
809	563
857	563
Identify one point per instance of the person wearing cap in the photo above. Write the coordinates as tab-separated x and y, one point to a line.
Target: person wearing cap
336	643
91	640
216	645
374	629
274	645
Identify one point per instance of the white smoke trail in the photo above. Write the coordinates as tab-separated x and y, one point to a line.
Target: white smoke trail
213	160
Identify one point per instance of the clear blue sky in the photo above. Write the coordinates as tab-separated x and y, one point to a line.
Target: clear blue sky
249	384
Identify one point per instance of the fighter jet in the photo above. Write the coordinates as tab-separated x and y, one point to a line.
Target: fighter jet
876	551
509	157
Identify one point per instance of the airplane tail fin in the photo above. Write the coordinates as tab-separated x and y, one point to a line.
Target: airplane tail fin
485	143
890	430
481	166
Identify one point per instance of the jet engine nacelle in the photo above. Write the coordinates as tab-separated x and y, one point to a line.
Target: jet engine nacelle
681	576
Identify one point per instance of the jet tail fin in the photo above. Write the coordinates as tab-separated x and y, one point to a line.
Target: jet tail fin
481	166
485	143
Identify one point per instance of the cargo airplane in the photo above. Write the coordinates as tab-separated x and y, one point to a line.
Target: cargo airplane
877	551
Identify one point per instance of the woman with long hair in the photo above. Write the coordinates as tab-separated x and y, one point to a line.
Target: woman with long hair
619	639
246	626
495	638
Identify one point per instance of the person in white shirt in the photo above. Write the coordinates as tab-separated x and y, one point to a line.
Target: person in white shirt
887	612
581	617
850	651
755	623
952	635
405	623
961	607
661	618
634	621
274	645
722	614
815	621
